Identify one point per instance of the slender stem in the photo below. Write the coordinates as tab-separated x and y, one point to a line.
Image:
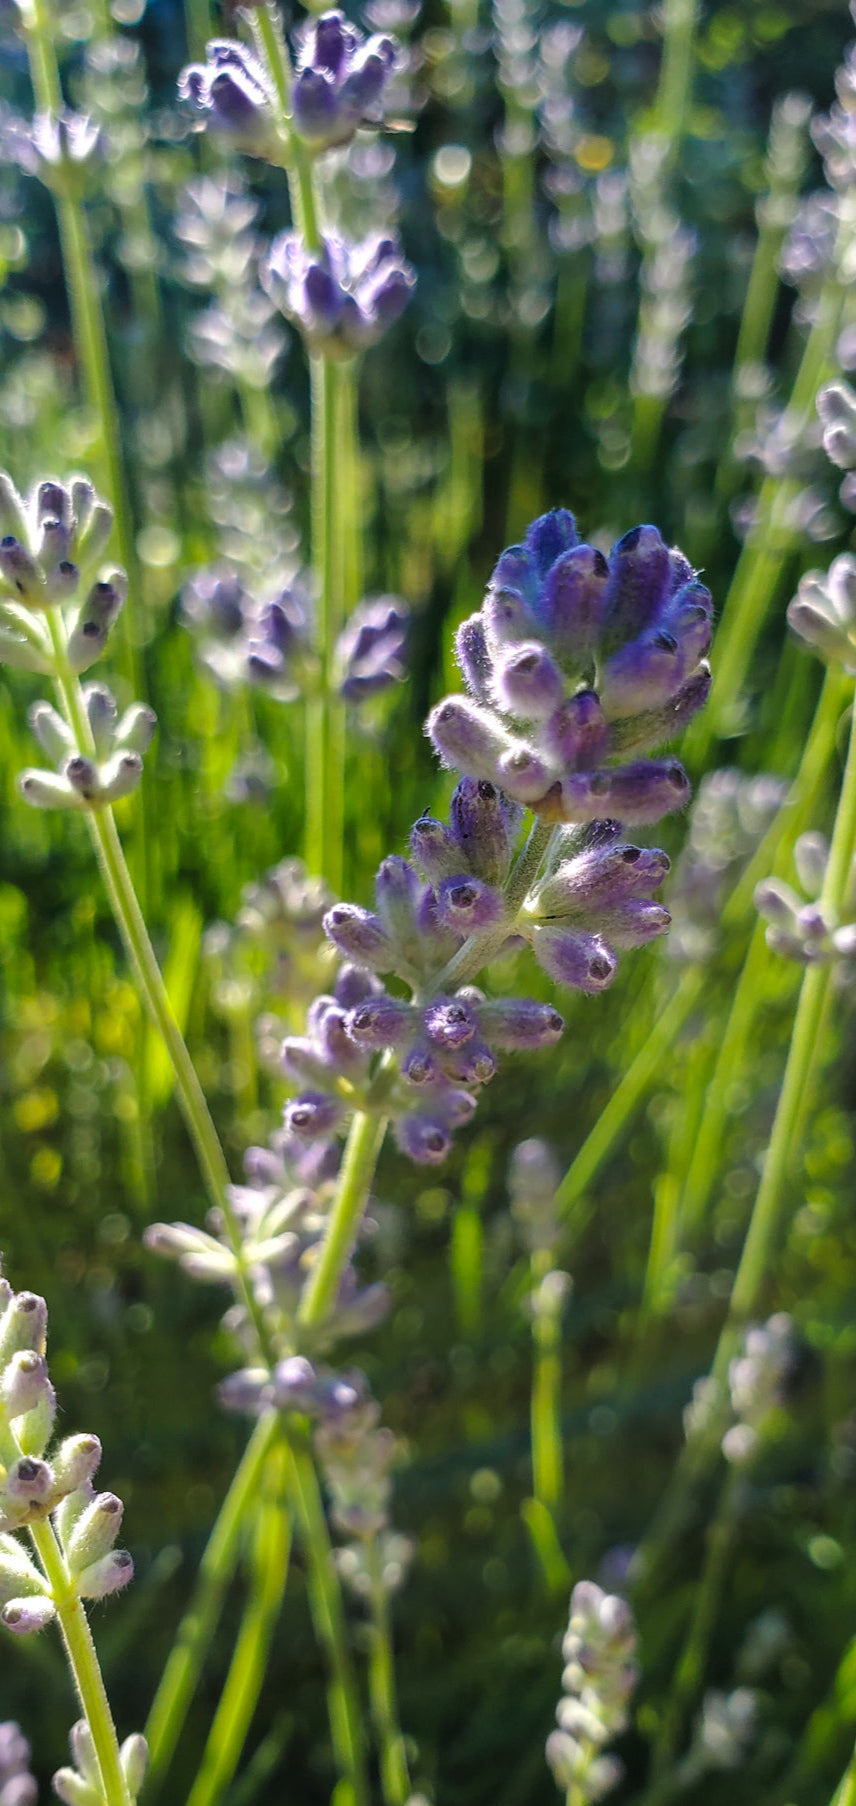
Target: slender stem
325	787
546	1407
639	1075
267	31
765	1220
361	1152
83	1663
129	919
346	1727
673	92
392	1752
271	1548
195	1632
845	1792
690	1667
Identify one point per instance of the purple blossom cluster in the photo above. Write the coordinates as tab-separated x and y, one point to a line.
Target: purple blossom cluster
281	1212
269	641
340	80
231	92
575	666
341	295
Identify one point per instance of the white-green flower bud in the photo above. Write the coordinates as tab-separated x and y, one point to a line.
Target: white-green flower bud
71	1508
19	1576
134	1757
135	730
95	1531
108	1575
75	1462
83	1753
22	1383
33	1428
47	790
23	1325
25	1616
21	654
102	713
53	734
73	1790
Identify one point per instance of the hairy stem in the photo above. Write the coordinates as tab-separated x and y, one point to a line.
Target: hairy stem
83	1662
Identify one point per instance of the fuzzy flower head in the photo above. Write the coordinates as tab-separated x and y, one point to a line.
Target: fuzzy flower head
802	927
342	296
231	93
575	666
340	80
17	1786
51	545
60	150
599	1678
92	778
823	612
757	1382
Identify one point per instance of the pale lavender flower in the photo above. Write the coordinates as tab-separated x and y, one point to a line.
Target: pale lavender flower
340	80
598	1682
17	1786
342	296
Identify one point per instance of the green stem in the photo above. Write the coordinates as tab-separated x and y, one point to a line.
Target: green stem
392	1753
270	43
149	980
361	1152
845	1792
271	1547
325	788
673	91
765	1221
83	1663
690	1668
546	1408
639	1075
195	1632
325	1597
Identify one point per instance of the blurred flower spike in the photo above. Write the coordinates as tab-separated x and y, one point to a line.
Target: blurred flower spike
343	296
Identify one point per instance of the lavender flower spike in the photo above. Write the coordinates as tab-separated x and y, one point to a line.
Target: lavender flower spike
230	92
575	664
342	296
339	82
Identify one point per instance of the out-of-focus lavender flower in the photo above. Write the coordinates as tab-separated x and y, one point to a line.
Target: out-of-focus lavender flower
574	664
89	780
356	1454
342	296
237	333
50	550
598	1682
230	91
370	652
61	150
723	1733
533	1179
82	1782
757	1379
803	930
808	254
729	818
823	612
17	1786
340	80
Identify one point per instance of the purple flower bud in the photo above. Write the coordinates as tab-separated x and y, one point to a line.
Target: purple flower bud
383	1022
435	849
527	683
370	651
576	736
641	579
508	618
27	1486
302	1061
424	1139
639	733
636	921
468	737
469	905
634	794
24	1382
231	90
472	1064
524	774
550	536
398	891
360	936
20	570
246	1391
449	1022
642	674
519	1024
343	295
354	985
23	1325
471	652
313	1116
484	824
96	618
572	603
294	1385
583	961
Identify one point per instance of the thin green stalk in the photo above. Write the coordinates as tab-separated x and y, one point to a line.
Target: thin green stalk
346	1727
765	553
392	1751
673	91
766	1216
546	1406
659	1286
193	1640
270	43
325	788
269	1561
147	974
357	1171
689	1671
83	1663
639	1075
845	1792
